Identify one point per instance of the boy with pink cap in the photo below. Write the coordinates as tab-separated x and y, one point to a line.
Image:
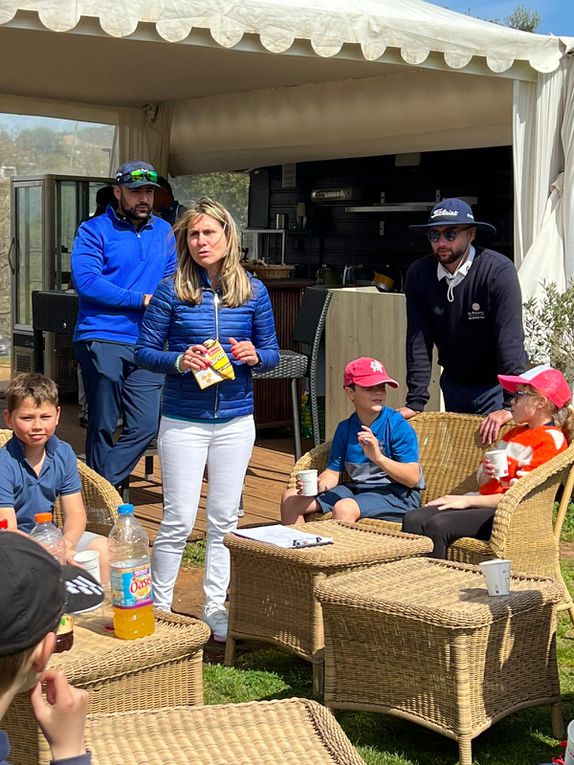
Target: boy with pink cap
545	425
377	449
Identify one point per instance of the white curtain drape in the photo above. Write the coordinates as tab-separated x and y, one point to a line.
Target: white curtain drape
567	133
143	134
544	175
537	153
544	261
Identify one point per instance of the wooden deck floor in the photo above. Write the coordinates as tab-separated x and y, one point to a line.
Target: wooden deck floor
266	478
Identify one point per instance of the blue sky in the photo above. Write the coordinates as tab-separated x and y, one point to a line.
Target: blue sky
557	16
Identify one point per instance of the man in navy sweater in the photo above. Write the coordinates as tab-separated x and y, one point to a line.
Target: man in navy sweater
118	260
465	300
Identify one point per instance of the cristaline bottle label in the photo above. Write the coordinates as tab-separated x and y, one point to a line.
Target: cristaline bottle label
131	586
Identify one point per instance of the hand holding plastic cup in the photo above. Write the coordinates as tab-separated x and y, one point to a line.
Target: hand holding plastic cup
497	575
90	561
499	459
308	481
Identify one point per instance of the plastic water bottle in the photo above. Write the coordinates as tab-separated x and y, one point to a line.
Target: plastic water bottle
50	537
132	600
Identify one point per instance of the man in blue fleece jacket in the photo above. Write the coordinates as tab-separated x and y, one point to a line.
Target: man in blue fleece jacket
465	300
118	260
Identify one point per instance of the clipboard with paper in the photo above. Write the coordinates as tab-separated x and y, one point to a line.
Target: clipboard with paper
283	536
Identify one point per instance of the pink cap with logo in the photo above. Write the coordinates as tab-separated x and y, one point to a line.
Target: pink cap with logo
367	372
547	380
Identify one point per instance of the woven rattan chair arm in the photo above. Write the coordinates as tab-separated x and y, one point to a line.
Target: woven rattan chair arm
378	524
525	511
315	459
469	550
5	436
101	500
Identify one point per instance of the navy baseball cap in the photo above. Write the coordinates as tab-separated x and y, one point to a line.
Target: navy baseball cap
453	212
135	174
35	592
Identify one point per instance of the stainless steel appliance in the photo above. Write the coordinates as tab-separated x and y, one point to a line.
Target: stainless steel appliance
46	211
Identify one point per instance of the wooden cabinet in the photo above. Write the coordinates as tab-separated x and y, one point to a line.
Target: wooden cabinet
366	322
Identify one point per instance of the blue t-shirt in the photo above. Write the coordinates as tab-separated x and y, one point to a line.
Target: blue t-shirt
29	493
397	440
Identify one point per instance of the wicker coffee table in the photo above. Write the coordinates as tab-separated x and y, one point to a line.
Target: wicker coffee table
271	592
423	640
287	732
161	670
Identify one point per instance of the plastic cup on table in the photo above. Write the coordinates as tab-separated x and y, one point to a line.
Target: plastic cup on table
497	575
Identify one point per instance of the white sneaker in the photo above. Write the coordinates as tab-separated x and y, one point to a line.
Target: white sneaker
217	621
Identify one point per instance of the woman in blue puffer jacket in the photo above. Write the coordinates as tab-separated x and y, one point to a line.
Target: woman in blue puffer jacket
209	297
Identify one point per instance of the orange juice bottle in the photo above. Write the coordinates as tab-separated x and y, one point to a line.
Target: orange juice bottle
132	598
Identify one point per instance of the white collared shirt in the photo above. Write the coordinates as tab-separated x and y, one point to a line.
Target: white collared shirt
458	276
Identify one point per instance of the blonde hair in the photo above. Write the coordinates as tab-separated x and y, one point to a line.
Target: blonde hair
564	418
235	284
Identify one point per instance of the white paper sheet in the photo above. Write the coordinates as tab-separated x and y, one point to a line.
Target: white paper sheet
283	536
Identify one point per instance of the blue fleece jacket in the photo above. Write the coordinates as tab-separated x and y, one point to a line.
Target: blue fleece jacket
180	324
113	267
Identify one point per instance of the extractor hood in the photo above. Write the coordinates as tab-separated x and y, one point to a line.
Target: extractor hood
384	206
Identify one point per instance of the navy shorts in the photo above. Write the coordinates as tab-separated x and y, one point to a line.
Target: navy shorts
388	503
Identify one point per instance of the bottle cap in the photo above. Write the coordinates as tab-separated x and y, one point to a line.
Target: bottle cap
43	517
126	509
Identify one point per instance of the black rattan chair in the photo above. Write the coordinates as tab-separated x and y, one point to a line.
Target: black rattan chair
293	365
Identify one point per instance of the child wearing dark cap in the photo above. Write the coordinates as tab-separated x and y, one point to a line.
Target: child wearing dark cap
377	449
32	599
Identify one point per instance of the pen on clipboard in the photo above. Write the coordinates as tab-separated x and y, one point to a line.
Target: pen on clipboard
306	542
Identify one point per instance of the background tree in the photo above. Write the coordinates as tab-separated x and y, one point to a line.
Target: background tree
523	18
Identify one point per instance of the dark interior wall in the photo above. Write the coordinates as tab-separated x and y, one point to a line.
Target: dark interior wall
335	237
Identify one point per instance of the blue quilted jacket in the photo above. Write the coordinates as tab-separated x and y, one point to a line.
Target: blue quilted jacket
170	325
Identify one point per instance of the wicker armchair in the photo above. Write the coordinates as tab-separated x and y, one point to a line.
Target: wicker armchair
449	448
100	497
523	529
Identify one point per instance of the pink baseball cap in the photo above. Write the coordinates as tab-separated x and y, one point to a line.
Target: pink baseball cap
549	381
367	372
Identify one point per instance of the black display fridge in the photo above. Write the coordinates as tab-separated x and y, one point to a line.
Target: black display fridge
46	211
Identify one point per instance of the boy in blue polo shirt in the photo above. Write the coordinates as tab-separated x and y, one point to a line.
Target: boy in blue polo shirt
36	467
376	447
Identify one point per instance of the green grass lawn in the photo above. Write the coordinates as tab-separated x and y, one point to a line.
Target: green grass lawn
523	738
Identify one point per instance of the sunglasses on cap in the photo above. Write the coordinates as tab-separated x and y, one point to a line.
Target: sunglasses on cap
450	234
137	175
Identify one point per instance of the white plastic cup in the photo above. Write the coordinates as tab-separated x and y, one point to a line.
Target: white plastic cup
499	459
89	560
308	481
569	754
497	576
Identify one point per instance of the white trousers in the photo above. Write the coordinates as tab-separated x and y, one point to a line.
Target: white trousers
185	448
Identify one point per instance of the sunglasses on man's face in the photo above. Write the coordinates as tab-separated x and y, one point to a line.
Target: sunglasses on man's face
450	234
137	175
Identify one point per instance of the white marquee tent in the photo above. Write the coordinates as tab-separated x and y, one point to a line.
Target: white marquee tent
204	85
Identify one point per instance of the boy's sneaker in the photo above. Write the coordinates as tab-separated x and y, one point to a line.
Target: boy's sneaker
217	621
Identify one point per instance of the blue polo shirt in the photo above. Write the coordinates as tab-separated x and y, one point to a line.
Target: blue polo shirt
397	440
29	493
